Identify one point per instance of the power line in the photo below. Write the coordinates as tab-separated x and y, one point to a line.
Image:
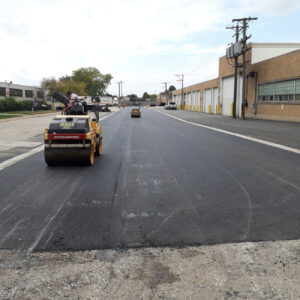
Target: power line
120	93
237	32
166	90
211	52
244	24
166	85
180	78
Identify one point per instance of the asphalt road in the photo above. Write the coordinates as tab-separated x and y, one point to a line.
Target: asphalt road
159	182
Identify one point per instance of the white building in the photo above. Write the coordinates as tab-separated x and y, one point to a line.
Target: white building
21	92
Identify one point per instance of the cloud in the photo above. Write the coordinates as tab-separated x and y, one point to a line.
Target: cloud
51	38
269	7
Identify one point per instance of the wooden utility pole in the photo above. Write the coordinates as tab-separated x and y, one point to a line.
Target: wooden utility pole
120	91
180	78
245	22
166	90
236	66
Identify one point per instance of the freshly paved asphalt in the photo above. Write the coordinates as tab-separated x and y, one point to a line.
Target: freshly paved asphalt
159	182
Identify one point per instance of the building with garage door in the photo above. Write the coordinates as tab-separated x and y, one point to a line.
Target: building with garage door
202	97
272	84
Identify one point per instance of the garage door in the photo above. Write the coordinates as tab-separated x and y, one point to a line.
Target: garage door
198	103
214	101
189	101
227	95
207	99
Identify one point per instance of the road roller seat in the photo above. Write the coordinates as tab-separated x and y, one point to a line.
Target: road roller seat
76	109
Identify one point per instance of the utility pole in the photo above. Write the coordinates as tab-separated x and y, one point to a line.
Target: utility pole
237	32
166	90
244	22
120	91
180	78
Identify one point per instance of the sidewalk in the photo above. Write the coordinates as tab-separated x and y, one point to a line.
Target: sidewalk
284	133
20	116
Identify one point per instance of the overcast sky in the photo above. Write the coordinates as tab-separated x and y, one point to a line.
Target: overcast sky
142	43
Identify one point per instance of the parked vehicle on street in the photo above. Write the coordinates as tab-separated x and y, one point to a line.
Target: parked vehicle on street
171	106
105	108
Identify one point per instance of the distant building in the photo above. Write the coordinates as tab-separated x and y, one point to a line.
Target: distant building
164	97
22	92
106	99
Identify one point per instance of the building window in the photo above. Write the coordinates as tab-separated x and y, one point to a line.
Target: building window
282	91
16	92
28	94
2	91
40	95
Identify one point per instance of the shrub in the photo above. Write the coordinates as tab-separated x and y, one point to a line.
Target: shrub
26	104
11	104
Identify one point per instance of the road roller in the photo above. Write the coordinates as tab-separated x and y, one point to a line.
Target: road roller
73	138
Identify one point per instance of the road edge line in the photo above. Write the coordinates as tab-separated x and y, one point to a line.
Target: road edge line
13	160
271	144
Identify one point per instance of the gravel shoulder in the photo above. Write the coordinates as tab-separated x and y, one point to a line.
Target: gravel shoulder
265	270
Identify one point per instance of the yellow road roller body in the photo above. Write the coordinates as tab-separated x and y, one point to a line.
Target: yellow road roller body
72	140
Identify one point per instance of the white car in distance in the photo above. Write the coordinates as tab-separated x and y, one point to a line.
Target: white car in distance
171	105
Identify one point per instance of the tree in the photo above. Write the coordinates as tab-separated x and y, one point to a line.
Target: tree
153	97
96	82
63	85
132	97
78	88
145	96
172	88
49	84
65	78
83	82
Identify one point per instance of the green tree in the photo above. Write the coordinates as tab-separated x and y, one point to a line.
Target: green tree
132	97
172	88
78	88
65	78
95	82
63	85
145	96
153	97
49	84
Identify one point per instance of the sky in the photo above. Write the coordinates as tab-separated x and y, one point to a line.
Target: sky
142	43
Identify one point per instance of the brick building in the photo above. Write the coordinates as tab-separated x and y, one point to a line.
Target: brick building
272	85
